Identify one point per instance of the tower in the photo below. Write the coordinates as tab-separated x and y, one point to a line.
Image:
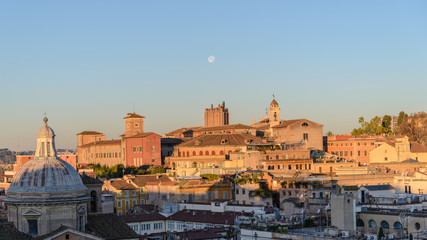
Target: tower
134	124
274	113
216	116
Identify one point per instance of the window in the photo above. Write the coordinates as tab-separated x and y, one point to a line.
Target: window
32	227
372	224
305	136
199	226
119	212
397	225
417	226
134	192
384	225
180	226
358	153
127	193
171	225
134	149
366	153
346	153
119	193
243	191
385	159
153	148
67	236
360	223
237	191
116	155
119	203
225	195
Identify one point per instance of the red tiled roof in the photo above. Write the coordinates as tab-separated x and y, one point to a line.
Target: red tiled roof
224	127
142	217
181	130
142	135
133	115
230	139
287	123
89	133
106	142
417	148
142	180
122	185
205	216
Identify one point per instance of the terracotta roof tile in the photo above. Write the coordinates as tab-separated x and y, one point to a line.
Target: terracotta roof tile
122	185
142	180
109	226
142	135
417	148
106	142
230	139
89	133
225	127
142	217
133	115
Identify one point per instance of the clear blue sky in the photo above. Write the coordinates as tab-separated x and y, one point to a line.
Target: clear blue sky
87	63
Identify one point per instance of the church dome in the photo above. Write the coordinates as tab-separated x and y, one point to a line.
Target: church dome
46	173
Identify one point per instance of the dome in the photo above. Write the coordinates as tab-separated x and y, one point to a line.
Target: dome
46	175
45	130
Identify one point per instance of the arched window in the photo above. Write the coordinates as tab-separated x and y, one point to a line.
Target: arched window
179	154
93	199
201	153
173	166
194	153
417	226
397	225
384	225
360	223
277	157
221	152
194	165
207	153
229	152
213	153
304	124
188	153
372	224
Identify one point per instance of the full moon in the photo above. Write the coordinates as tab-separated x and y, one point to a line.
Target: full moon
211	59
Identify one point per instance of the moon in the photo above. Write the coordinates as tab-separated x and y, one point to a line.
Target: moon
211	59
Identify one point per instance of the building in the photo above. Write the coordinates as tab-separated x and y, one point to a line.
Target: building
355	148
43	184
216	116
400	150
134	148
210	154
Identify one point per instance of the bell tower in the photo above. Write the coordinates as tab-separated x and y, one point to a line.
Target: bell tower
134	124
274	113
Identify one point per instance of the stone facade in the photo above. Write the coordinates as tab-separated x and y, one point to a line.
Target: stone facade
46	192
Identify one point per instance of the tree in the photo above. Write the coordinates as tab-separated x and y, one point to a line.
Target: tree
380	234
156	169
402	116
386	124
415	127
373	127
330	134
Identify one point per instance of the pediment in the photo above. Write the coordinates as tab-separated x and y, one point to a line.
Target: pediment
32	212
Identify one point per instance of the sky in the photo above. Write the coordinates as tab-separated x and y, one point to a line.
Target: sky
87	63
